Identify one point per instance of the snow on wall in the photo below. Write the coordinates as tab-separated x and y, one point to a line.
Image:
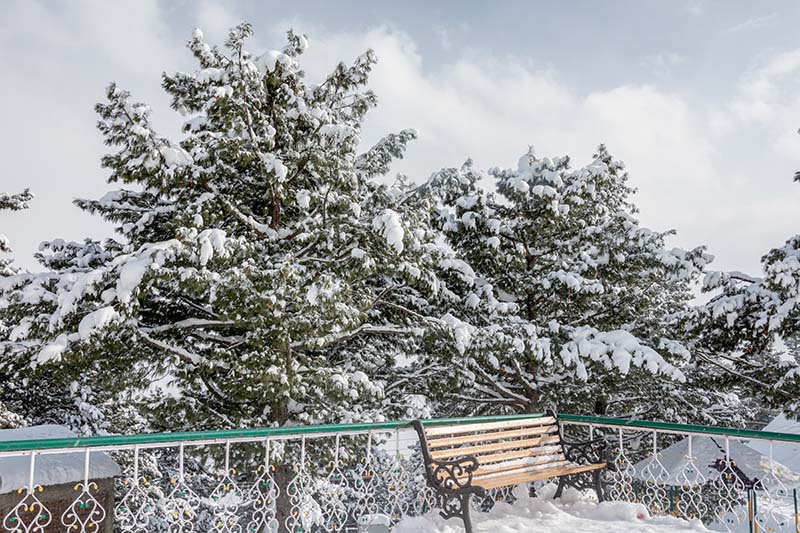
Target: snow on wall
50	469
785	453
705	450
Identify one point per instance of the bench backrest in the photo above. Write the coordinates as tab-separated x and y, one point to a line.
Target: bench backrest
498	446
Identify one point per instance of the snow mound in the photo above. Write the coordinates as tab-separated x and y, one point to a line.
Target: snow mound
575	511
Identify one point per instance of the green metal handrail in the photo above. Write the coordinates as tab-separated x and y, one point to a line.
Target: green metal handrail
680	428
222	435
288	431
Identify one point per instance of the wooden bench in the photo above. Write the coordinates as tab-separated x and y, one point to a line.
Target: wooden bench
470	458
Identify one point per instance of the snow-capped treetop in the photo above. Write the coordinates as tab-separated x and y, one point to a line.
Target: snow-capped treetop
15	202
255	254
564	294
741	328
12	202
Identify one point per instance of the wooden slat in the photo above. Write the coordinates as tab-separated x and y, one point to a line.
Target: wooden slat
494	447
500	468
518	454
491	437
488	426
523	470
493	482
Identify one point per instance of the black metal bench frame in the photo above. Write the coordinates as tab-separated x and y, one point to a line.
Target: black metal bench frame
453	479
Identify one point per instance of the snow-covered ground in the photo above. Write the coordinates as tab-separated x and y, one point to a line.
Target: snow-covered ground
574	512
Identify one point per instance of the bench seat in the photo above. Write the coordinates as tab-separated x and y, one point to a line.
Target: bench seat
470	458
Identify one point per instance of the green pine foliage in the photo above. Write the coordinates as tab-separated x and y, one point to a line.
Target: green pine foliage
747	332
250	253
264	273
566	301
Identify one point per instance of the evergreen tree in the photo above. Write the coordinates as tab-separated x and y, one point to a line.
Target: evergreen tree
739	328
258	260
10	202
262	275
564	299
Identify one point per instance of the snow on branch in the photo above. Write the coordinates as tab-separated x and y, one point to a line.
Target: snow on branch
613	349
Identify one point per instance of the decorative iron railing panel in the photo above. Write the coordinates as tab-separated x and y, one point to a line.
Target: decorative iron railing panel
717	475
338	478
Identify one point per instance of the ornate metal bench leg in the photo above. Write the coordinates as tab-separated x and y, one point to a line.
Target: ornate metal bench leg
597	484
465	512
597	476
457	506
562	481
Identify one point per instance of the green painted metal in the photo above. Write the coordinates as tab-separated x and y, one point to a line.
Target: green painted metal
288	431
680	428
222	435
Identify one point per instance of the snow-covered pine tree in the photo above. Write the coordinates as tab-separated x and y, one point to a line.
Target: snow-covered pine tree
565	300
10	202
739	329
251	253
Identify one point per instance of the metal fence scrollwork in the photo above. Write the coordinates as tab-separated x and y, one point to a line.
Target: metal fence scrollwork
371	474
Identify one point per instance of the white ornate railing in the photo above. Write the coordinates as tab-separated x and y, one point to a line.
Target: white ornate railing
728	478
365	477
301	479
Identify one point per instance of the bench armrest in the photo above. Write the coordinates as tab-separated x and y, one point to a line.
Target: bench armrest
592	451
453	477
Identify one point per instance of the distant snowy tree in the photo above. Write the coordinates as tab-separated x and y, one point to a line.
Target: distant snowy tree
11	202
259	265
797	174
563	298
740	327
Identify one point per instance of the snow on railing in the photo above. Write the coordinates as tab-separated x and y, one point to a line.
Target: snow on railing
366	477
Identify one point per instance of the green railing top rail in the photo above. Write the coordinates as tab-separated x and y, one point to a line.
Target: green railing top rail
680	428
289	431
229	434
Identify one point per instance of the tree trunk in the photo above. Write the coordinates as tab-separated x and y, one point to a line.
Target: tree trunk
600	405
283	469
283	505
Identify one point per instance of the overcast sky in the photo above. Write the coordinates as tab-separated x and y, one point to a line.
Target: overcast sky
701	99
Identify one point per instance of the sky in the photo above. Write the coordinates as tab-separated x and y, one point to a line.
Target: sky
701	99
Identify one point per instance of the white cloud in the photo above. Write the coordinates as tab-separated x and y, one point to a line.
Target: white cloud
691	175
663	63
764	93
492	108
444	37
695	7
754	23
697	169
215	20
